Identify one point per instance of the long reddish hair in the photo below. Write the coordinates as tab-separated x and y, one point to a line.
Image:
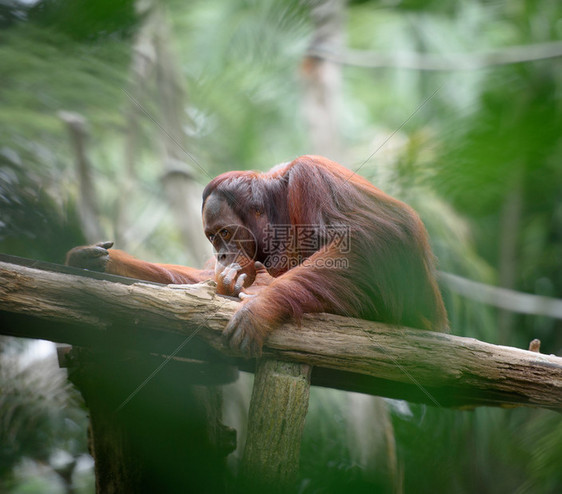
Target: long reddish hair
390	271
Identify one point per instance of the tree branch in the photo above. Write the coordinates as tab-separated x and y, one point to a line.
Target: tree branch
435	368
504	298
443	63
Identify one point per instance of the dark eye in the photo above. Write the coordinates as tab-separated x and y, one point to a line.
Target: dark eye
211	237
223	233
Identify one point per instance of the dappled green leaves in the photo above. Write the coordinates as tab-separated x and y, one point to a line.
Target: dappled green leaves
87	20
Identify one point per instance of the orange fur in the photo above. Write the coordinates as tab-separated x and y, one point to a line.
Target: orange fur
124	264
389	274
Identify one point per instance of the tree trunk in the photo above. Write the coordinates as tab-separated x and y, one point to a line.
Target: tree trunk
183	192
88	208
322	80
153	58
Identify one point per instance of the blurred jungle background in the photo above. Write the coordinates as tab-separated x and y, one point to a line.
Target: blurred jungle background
115	114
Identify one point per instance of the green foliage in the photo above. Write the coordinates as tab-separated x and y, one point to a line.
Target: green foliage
515	130
483	138
40	411
481	441
241	60
32	224
87	20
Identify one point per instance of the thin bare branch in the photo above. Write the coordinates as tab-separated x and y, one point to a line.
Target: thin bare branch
443	63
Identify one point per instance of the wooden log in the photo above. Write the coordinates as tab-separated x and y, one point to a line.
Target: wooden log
276	420
435	368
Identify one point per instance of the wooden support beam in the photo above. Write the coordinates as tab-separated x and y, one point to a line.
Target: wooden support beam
275	424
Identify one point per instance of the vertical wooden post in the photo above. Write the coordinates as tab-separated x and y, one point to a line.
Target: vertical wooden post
277	413
166	439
